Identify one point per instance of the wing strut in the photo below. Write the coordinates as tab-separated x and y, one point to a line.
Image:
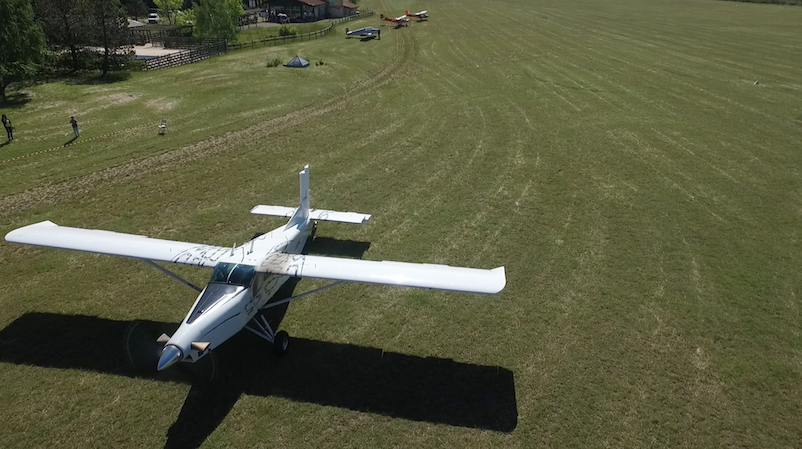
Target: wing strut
285	301
173	275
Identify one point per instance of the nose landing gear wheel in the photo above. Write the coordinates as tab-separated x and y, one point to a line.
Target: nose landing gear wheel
280	343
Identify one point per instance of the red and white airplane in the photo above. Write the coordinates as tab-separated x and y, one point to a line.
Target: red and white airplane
400	20
423	15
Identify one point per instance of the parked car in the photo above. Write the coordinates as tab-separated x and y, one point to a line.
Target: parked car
153	18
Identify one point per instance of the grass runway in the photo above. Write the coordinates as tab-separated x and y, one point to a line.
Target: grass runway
616	156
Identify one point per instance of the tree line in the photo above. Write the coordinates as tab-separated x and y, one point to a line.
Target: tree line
60	34
79	35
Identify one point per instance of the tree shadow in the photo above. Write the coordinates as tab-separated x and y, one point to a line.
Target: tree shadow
354	377
15	100
95	78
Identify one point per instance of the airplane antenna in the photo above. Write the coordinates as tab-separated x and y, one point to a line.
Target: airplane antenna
233	248
251	247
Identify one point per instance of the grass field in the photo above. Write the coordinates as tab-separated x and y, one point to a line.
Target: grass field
615	156
252	34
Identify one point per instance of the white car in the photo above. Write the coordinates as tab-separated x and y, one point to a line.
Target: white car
153	18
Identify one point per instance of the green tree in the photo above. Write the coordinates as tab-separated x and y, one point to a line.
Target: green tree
22	43
65	26
135	8
218	18
185	17
109	29
168	8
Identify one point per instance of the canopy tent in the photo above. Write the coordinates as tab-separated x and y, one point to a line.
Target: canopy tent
297	61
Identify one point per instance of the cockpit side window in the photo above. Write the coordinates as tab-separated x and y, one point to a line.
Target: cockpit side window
221	272
242	275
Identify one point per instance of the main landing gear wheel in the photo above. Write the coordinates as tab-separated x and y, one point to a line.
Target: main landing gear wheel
281	342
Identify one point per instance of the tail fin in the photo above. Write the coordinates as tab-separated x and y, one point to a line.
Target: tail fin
382	16
301	215
407	12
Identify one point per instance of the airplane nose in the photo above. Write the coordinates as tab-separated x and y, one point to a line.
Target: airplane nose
170	356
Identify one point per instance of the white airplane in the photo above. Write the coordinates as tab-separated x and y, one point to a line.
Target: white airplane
245	278
418	15
367	33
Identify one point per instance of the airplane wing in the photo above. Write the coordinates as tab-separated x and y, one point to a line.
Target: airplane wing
111	243
402	274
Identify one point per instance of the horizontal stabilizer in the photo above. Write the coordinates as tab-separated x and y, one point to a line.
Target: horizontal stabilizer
402	274
51	235
276	211
314	214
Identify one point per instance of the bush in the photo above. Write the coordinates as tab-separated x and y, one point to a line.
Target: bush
135	65
286	30
274	63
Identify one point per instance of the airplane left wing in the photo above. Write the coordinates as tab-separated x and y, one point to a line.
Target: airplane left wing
402	274
111	243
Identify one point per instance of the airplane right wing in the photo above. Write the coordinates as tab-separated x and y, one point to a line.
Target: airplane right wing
402	274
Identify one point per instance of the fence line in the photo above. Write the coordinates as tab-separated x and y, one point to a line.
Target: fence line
278	40
188	56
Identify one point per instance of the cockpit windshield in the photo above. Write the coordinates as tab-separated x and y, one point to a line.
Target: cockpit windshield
214	293
228	280
231	273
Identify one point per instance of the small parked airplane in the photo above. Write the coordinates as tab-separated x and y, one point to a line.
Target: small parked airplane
245	278
419	15
400	20
367	33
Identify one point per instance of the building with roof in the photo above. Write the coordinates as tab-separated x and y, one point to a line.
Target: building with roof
311	10
301	10
341	8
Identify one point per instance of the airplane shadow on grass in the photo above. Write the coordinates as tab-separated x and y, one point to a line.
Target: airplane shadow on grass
354	377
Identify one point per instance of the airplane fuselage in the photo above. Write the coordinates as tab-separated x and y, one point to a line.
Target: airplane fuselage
234	295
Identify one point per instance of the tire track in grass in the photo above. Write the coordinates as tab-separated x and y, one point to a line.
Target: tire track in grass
569	47
698	102
621	74
124	173
516	42
720	199
495	195
668	69
602	60
688	39
634	138
426	195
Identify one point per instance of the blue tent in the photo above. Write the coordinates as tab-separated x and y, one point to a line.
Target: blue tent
298	62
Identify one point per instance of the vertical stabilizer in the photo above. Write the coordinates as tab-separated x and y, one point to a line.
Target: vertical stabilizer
301	215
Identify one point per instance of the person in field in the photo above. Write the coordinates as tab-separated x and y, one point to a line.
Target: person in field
7	125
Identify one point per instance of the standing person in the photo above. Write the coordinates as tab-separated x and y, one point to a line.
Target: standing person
74	124
7	125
